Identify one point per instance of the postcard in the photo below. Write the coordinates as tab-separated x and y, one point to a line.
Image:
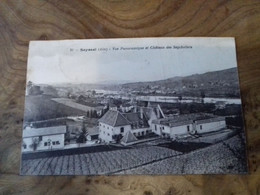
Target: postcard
150	106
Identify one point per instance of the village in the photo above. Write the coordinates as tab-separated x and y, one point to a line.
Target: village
107	133
153	127
123	120
133	112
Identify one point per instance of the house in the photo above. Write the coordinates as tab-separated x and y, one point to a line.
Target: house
112	106
46	138
126	107
220	104
114	124
181	125
92	133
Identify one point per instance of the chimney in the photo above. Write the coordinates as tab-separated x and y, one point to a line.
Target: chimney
141	113
158	112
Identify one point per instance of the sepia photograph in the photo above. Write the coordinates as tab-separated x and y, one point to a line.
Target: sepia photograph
149	106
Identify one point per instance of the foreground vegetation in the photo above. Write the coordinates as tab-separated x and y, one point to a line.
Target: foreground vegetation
225	157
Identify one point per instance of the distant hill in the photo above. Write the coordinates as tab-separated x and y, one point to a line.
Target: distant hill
223	83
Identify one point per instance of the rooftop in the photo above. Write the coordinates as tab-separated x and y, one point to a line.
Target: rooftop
116	118
188	119
129	137
136	120
34	132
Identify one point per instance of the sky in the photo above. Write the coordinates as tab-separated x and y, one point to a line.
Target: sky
74	61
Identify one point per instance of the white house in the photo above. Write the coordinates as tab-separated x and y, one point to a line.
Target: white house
47	138
181	125
126	107
115	123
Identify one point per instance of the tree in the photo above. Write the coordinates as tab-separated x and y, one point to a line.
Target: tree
91	114
95	114
82	136
202	95
180	97
35	143
117	137
88	114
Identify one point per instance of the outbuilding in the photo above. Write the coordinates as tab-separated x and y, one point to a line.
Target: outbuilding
47	138
181	125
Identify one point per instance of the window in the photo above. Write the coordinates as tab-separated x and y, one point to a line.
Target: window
155	127
57	143
188	128
24	146
200	127
142	133
40	138
53	143
122	130
108	134
45	143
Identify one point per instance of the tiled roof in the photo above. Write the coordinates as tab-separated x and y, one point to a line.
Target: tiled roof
152	109
111	105
200	118
129	137
33	132
135	119
132	117
114	119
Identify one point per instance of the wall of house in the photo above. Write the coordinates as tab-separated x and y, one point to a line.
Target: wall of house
117	130
180	130
141	131
106	131
152	117
171	131
156	129
209	127
48	142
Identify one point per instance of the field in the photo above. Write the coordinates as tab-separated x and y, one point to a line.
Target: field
221	158
42	107
108	162
224	157
70	103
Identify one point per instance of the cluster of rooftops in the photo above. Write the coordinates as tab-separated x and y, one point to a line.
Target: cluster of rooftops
140	119
116	118
198	118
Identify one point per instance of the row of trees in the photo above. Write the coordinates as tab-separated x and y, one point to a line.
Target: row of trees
92	114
